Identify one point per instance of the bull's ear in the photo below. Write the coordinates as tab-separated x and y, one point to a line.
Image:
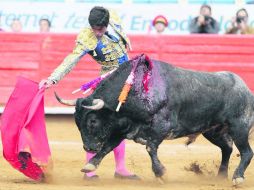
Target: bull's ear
107	106
82	102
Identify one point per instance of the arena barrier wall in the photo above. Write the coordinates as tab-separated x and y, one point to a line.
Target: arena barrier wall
36	55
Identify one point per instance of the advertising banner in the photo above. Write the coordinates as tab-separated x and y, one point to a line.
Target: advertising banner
71	17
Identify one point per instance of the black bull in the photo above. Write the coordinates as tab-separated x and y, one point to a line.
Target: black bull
177	103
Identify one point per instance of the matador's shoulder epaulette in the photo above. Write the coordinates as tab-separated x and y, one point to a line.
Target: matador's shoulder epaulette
116	23
114	17
87	38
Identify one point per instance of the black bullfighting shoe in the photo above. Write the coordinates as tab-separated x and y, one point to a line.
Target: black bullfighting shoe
130	177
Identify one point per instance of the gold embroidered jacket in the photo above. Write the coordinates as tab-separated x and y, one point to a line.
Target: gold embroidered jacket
110	51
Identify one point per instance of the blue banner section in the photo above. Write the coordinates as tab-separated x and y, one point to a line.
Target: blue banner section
137	18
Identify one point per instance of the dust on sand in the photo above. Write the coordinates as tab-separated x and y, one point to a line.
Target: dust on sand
191	168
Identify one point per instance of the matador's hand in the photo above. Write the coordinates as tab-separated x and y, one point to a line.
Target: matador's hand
45	83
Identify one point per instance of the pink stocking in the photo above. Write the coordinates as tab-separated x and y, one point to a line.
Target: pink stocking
88	157
119	153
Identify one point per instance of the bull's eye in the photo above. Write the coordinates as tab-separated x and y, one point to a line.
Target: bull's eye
93	123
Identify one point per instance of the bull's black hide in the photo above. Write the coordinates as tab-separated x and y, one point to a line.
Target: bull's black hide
177	103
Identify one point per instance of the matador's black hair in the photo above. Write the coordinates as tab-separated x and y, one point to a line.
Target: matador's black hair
99	16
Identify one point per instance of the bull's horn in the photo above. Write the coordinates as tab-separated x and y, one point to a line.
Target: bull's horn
97	105
66	102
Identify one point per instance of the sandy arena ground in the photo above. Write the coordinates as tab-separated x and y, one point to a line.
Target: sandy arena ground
68	157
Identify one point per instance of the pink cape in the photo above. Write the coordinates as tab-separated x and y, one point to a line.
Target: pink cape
24	137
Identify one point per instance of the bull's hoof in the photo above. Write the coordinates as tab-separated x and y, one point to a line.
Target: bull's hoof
222	175
161	180
88	168
160	172
238	181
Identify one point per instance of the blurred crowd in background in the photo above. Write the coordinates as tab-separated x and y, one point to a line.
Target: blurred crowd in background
202	22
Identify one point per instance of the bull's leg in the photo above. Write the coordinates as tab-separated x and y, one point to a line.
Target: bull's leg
158	131
157	167
240	134
96	160
224	141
